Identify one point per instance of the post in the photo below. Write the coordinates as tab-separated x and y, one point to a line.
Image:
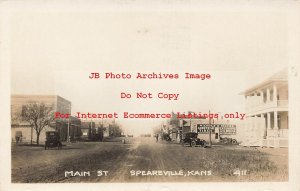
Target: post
102	130
31	134
261	97
68	133
268	95
91	125
268	121
276	141
275	120
265	126
275	94
209	128
180	126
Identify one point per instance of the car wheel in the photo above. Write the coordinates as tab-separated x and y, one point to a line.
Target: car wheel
193	143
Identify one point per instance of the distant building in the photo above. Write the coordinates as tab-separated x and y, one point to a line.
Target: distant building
87	129
75	128
59	104
105	125
267	112
98	130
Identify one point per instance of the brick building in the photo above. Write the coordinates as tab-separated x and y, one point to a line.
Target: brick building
59	104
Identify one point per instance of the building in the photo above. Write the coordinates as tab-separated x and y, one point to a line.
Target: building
105	124
87	129
98	130
220	128
267	112
74	128
58	104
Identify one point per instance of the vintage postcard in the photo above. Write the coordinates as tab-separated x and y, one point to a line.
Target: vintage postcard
164	95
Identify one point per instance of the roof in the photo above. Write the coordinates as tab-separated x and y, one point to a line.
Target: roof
39	96
281	76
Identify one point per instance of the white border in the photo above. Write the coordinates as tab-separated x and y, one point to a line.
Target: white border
292	8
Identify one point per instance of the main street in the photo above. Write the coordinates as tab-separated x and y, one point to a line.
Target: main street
144	160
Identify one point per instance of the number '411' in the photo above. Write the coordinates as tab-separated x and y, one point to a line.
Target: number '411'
240	172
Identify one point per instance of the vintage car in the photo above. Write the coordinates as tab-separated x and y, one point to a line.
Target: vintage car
166	137
192	139
18	136
228	140
52	140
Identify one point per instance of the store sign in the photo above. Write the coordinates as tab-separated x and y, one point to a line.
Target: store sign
204	128
224	129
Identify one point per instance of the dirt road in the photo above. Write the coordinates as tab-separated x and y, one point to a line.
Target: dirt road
144	160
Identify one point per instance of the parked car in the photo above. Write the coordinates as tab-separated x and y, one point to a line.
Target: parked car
227	140
166	137
52	140
192	139
18	136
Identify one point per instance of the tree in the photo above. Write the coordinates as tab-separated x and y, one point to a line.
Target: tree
115	130
38	115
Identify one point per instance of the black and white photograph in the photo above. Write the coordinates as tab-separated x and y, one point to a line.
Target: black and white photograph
165	93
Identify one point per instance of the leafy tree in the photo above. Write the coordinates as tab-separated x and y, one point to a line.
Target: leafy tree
38	115
115	130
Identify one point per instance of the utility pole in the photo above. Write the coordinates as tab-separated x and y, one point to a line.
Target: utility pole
181	132
31	131
68	133
92	135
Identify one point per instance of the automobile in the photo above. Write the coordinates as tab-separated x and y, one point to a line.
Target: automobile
192	139
18	136
166	137
53	140
228	140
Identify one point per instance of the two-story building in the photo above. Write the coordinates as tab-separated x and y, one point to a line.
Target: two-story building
57	103
267	112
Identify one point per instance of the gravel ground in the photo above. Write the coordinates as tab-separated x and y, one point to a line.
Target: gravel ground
123	162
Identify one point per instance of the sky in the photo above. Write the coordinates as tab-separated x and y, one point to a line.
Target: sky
55	52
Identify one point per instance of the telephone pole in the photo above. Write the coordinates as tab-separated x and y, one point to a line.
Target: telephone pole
68	131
